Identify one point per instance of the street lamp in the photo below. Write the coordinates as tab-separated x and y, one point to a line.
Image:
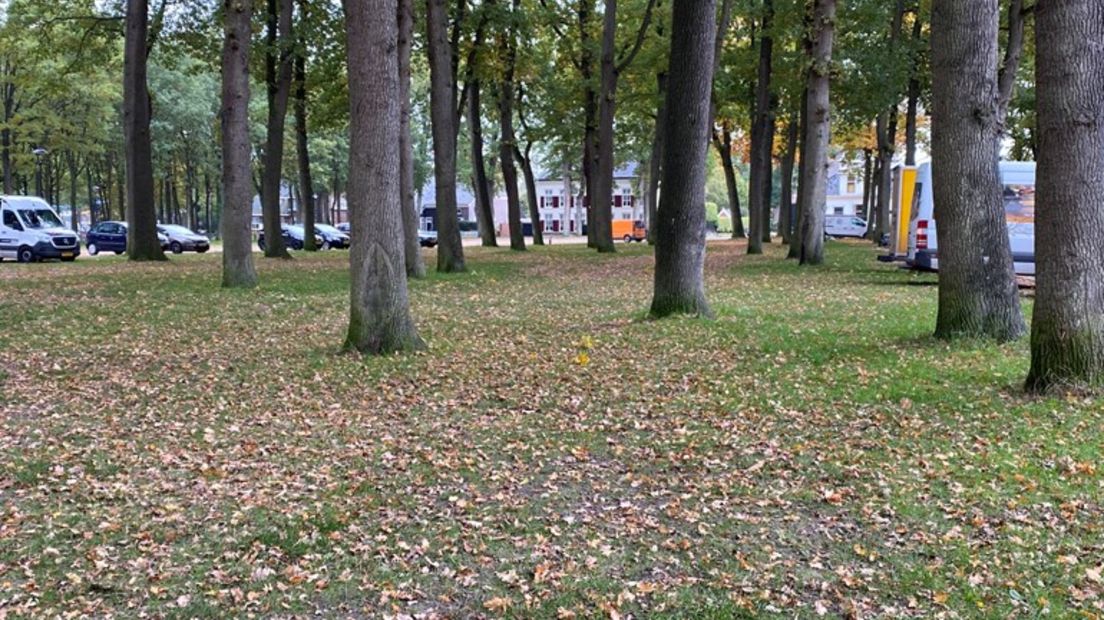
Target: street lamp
38	153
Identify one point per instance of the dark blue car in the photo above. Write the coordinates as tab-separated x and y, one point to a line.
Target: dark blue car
112	237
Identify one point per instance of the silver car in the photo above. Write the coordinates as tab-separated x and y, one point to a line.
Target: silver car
183	240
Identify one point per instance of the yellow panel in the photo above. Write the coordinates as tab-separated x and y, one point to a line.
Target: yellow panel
908	188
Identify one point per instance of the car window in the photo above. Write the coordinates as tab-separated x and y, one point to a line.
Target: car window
10	221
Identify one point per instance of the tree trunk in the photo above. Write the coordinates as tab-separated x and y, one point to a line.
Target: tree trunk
761	138
680	235
236	219
887	139
785	208
412	247
1006	80
526	160
722	140
868	171
768	173
1067	331
142	242
306	183
74	174
379	309
815	146
656	175
601	206
585	11
483	200
278	74
978	296
913	92
508	141
450	249
803	121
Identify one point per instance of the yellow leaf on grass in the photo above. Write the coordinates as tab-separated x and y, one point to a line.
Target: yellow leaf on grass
498	604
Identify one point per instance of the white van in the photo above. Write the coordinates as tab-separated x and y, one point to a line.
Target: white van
844	226
1018	179
30	231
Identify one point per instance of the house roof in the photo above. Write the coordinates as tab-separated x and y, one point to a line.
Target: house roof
626	171
429	194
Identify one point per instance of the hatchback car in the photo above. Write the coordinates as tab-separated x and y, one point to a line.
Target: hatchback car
112	237
182	239
331	237
293	238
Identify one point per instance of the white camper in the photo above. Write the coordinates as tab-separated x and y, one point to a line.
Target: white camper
1018	179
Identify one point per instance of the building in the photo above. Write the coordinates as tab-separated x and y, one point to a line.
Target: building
567	214
845	189
465	207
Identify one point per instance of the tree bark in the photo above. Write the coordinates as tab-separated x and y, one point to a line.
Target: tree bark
526	160
278	74
656	176
887	139
1006	79
74	174
237	184
761	138
868	179
507	141
142	242
785	208
913	92
722	141
585	13
978	296
306	183
412	247
803	121
482	189
1067	331
450	249
379	312
679	286
815	147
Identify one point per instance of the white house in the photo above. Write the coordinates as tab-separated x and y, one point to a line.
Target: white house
845	188
562	213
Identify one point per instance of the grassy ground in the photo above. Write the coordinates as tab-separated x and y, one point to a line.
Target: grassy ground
172	449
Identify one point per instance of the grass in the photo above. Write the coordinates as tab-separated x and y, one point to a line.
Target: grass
175	449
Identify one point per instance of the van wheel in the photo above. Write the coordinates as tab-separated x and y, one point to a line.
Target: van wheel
176	247
326	245
25	255
92	249
628	238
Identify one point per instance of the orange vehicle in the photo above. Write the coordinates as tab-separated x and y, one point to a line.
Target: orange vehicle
629	230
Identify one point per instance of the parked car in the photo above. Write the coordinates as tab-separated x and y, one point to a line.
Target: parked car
31	231
344	227
181	239
427	238
331	237
293	237
112	237
844	226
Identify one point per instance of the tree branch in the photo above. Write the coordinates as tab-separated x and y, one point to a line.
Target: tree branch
626	60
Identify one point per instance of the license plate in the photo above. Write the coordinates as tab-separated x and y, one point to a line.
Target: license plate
66	254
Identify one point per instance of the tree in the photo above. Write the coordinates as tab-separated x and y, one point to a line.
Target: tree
814	146
611	69
1067	330
442	72
978	296
278	75
237	186
379	313
302	145
507	46
680	234
762	139
142	242
415	266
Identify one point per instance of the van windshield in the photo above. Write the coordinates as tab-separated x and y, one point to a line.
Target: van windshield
39	219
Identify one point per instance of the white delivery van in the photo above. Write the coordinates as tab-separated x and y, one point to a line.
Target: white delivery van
844	226
1018	179
30	231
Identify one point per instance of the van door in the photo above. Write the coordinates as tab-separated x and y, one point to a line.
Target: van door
10	230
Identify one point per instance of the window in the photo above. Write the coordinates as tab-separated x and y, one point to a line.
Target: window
837	210
850	185
10	221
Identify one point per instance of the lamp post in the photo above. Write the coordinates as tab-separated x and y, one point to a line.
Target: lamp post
38	153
